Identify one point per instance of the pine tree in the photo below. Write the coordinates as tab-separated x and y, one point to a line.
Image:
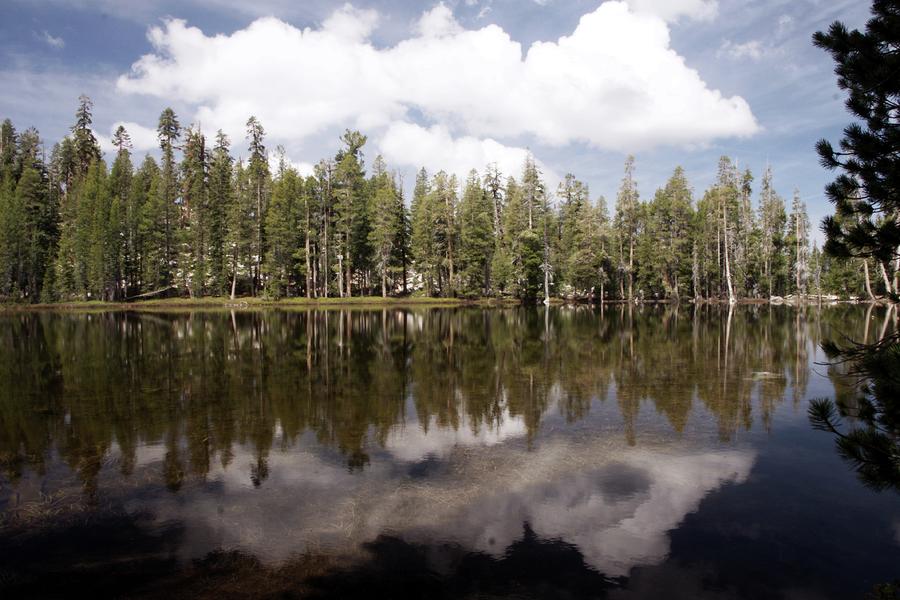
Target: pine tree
310	222
476	244
350	202
283	230
746	236
628	212
866	194
149	226
422	242
239	230
92	238
573	211
221	199
168	132
602	236
120	247
7	234
799	241
401	253
666	239
772	219
194	213
582	238
324	200
493	186
7	148
86	148
523	264
258	177
385	224
443	200
726	194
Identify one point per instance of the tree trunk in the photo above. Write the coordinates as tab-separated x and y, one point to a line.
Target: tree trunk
731	299
341	275
404	273
306	251
631	268
546	284
315	278
897	275
797	265
383	284
349	269
450	274
695	272
233	275
257	282
718	255
868	281
884	276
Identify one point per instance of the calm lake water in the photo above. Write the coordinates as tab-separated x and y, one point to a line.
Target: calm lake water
556	453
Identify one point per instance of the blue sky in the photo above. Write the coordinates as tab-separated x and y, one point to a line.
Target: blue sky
451	85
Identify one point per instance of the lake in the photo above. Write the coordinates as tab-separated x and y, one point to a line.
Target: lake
628	452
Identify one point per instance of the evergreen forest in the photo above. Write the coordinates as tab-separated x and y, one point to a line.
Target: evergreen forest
220	217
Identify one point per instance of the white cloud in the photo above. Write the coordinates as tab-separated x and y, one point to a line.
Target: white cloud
614	83
142	138
303	168
436	149
351	24
50	40
438	22
672	10
753	49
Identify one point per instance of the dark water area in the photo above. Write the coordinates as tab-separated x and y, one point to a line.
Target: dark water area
633	452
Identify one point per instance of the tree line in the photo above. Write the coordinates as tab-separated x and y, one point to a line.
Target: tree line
200	222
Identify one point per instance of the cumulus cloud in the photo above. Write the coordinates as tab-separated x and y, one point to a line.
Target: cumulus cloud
436	149
142	138
613	83
672	10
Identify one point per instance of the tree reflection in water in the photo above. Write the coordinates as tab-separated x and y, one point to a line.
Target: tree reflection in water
87	384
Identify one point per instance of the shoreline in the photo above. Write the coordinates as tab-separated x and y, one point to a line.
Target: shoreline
379	302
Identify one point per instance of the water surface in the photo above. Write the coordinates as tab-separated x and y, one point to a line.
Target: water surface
526	452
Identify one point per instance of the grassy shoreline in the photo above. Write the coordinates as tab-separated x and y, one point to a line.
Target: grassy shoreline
331	302
245	303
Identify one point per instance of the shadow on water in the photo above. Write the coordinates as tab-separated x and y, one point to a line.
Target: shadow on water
104	555
43	564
